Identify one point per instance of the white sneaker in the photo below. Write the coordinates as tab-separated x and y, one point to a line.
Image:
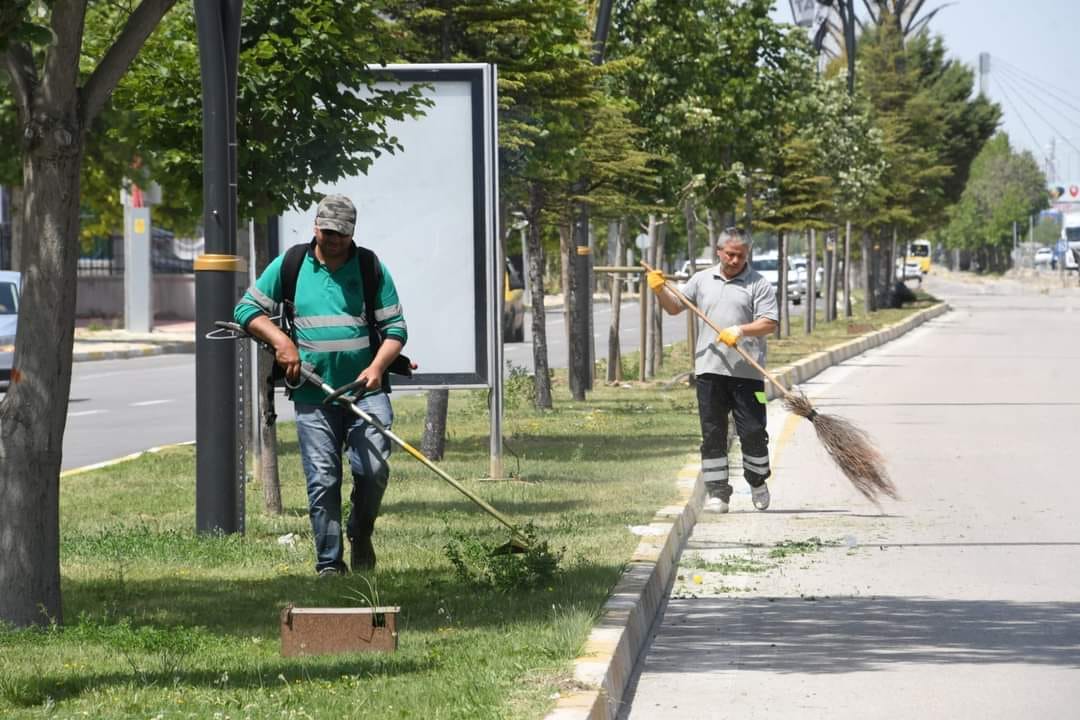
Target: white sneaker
760	496
715	505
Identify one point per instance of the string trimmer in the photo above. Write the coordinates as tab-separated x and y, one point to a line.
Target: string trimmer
849	447
346	395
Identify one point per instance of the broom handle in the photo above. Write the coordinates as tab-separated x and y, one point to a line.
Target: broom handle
708	321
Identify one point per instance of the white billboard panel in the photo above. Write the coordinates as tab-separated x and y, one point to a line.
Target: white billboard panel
428	213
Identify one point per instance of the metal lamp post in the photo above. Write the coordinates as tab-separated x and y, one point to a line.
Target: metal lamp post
219	463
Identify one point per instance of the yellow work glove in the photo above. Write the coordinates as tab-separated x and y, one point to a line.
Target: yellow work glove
730	336
655	278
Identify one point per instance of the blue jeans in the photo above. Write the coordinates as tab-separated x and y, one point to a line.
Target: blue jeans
323	431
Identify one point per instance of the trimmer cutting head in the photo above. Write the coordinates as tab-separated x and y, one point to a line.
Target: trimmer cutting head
516	545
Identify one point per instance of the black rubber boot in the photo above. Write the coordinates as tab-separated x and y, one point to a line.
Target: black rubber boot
363	552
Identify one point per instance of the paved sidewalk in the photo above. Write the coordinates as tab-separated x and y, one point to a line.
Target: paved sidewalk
94	343
952	603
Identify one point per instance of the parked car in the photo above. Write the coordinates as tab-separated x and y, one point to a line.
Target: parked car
9	317
700	264
910	269
798	263
1043	257
768	264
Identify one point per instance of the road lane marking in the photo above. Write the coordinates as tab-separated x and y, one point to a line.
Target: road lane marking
116	461
85	412
144	403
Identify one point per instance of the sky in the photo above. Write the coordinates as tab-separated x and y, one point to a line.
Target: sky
1032	46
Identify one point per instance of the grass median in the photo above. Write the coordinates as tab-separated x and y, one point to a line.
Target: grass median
163	623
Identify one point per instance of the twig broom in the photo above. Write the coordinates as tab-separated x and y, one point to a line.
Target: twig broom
850	448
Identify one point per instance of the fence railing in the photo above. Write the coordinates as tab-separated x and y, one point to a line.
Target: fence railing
169	255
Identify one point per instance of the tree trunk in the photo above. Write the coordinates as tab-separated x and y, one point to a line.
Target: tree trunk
868	272
614	364
541	379
53	111
847	269
648	362
714	231
658	312
33	412
834	261
17	215
266	469
783	328
433	444
690	212
566	278
811	283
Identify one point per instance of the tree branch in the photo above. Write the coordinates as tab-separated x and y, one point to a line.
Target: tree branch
19	63
112	67
870	11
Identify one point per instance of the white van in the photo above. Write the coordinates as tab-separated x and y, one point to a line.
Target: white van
1070	236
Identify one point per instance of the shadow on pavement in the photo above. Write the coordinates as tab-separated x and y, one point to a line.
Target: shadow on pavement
851	634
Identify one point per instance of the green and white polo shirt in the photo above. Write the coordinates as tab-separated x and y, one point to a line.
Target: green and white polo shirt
331	330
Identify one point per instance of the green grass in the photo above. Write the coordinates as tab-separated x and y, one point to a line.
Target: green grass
787	350
163	623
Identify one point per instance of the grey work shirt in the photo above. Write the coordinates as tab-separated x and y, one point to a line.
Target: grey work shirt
738	301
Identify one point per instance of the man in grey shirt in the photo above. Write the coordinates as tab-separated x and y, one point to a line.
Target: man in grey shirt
734	296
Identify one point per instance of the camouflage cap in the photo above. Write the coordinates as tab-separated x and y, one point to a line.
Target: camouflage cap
336	212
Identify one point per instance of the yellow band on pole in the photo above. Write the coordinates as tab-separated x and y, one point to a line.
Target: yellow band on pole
220	263
583	250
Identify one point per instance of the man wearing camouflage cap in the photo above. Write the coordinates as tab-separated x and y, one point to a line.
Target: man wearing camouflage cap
333	335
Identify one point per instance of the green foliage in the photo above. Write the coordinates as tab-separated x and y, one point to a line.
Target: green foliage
1004	187
519	391
479	563
546	79
307	108
709	78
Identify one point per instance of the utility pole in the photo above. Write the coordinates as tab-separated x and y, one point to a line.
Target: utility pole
219	465
984	72
581	260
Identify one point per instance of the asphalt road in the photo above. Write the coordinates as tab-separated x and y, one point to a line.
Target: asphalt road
119	407
961	600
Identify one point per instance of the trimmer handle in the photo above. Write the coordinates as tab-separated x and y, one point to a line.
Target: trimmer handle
344	390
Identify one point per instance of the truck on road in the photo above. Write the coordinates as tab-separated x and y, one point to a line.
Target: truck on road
1070	240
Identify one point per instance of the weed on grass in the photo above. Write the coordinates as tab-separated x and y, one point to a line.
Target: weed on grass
481	564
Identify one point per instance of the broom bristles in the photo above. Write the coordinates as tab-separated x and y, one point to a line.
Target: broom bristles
849	447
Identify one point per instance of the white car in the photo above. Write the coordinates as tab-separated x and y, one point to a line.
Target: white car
768	265
908	270
9	317
1043	257
700	264
799	264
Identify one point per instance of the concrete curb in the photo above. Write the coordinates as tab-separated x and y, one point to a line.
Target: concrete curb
606	664
810	366
119	351
607	661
